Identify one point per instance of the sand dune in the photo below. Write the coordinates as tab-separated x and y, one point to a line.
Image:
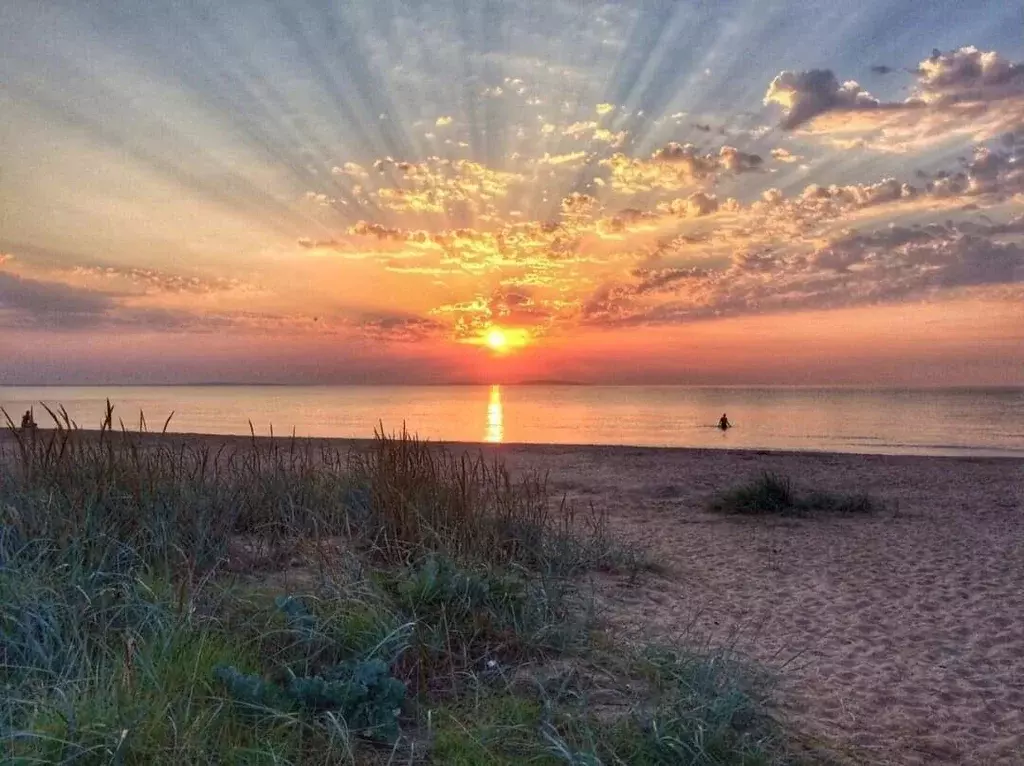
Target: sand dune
898	636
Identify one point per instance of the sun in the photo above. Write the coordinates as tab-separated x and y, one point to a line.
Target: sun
501	340
496	339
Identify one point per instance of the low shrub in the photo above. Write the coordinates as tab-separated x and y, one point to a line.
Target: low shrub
774	494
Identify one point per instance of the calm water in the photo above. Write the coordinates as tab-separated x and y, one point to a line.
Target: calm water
936	422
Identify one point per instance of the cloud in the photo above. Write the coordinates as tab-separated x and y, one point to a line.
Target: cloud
603	109
570	158
626	221
856	269
966	91
398	328
784	155
508	305
319	199
28	303
33	301
659	280
443	121
902	261
439	185
614	139
856	195
676	166
397	267
696	205
992	171
408	201
351	169
529	250
578	206
677	257
157	281
805	95
968	74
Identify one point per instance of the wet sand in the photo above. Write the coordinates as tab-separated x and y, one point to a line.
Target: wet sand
898	636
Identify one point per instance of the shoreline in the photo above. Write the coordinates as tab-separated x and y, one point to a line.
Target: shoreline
341	442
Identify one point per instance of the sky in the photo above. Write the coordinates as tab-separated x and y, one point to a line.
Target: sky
414	191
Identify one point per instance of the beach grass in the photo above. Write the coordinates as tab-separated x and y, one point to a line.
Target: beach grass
290	603
775	494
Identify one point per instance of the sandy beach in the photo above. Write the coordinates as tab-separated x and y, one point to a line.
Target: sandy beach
896	635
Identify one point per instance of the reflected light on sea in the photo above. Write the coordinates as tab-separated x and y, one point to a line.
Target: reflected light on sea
495	432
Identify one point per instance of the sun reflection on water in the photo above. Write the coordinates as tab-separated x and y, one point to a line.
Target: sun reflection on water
495	432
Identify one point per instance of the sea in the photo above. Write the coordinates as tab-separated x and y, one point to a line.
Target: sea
964	421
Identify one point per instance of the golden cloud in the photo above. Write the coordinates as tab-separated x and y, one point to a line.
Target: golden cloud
784	155
676	166
665	259
440	186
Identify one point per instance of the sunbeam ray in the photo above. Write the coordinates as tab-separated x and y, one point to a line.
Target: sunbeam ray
414	176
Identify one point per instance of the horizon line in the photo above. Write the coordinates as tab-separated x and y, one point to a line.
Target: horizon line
531	383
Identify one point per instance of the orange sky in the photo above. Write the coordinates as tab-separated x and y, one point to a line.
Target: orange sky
310	212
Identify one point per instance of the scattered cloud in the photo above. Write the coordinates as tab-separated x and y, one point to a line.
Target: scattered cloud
784	155
570	158
508	305
676	166
885	266
579	129
352	169
439	185
613	138
156	281
319	199
398	328
964	92
683	251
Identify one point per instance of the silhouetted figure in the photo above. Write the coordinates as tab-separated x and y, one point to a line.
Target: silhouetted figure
28	423
723	422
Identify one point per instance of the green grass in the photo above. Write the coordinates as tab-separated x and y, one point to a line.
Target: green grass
440	617
687	708
773	494
500	729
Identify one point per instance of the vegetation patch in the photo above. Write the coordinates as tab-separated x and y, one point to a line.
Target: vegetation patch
773	494
665	707
440	592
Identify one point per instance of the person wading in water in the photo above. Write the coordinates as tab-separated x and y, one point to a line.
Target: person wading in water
723	422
